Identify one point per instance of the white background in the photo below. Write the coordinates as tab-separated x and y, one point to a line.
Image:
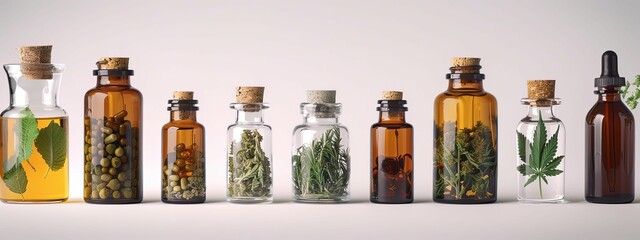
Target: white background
358	48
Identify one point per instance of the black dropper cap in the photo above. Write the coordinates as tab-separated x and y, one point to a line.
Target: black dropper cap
609	76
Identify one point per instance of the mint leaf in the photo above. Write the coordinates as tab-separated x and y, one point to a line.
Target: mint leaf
51	143
16	179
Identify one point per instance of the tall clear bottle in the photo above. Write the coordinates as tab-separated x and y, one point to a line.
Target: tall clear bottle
183	152
541	146
609	140
34	164
321	163
466	136
392	152
113	136
249	166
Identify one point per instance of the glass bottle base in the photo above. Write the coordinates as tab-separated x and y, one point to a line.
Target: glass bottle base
403	201
112	201
311	199
613	199
530	200
190	201
45	201
250	200
465	201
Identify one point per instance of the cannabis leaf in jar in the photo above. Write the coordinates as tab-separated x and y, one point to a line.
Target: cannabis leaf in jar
543	161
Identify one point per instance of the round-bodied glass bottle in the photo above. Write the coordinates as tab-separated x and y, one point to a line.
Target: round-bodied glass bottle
541	149
249	166
465	137
320	155
113	136
34	143
183	151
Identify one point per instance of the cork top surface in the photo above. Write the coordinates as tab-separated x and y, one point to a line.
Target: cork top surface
183	95
321	96
391	95
465	61
541	89
113	63
249	94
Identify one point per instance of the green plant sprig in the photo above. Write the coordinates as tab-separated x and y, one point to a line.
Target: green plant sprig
631	93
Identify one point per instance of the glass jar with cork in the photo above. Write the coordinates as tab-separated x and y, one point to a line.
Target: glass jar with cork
34	164
249	166
113	136
321	163
183	152
391	152
465	137
540	140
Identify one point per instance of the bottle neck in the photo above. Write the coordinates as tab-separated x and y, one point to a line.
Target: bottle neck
113	81
609	94
391	117
249	117
183	115
535	112
36	93
465	85
321	118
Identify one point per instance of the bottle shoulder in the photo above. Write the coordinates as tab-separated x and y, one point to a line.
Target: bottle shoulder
38	112
128	90
615	109
392	125
248	126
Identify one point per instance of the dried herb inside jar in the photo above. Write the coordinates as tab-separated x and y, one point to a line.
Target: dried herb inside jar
249	168
465	162
321	169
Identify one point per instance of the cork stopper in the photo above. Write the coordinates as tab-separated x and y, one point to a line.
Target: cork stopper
183	95
245	94
541	89
113	63
321	96
465	62
35	62
391	95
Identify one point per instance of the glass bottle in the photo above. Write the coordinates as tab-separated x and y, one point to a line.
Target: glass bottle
610	136
113	136
392	152
321	163
466	133
541	146
34	132
183	152
249	166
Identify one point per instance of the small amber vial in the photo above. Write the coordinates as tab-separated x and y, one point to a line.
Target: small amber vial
183	159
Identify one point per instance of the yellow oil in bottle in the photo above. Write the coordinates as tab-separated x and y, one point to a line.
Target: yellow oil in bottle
43	183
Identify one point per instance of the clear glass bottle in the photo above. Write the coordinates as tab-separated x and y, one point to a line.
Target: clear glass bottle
392	152
465	138
540	146
183	152
34	164
321	163
249	166
113	136
610	137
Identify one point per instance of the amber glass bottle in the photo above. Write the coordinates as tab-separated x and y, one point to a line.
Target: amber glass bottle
183	158
465	137
392	152
113	136
609	148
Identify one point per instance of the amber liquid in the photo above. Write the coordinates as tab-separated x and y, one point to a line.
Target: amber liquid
609	151
462	107
43	184
183	146
391	163
112	96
